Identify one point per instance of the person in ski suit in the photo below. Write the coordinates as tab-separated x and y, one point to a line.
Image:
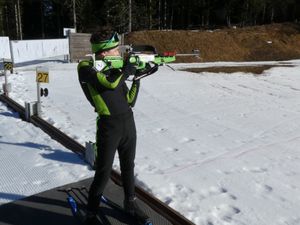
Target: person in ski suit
109	95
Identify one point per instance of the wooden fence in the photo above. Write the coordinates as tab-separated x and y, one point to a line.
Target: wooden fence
79	46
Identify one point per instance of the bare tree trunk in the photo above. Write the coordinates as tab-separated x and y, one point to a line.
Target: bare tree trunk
150	14
6	20
207	18
188	14
228	19
130	25
42	20
159	13
247	8
165	15
245	15
58	20
272	15
172	14
2	23
19	20
74	15
264	13
228	11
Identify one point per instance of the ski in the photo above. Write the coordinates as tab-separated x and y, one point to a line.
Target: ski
140	219
75	197
74	206
77	211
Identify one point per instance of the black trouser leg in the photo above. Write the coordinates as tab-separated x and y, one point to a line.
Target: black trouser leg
114	133
126	152
107	143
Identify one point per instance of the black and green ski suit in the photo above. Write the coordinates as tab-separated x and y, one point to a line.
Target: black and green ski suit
112	100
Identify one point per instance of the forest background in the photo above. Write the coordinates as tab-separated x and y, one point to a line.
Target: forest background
35	19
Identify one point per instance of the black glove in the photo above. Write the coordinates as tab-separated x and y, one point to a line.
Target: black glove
128	68
137	82
146	72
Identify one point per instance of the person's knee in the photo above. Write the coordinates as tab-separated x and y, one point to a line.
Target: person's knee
127	167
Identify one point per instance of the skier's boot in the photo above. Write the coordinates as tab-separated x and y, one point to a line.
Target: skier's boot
90	218
132	208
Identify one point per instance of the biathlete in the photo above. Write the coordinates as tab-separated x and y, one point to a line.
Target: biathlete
108	93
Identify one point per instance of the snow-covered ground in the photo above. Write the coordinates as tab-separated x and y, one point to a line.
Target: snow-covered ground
31	162
219	148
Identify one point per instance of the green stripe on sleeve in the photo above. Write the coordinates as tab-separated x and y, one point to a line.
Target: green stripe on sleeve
131	94
100	105
103	81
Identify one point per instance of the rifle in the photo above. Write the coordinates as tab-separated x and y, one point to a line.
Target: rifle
144	57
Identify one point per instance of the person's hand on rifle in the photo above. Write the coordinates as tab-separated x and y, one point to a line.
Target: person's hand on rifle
128	68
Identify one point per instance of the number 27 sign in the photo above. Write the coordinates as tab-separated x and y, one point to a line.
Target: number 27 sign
42	75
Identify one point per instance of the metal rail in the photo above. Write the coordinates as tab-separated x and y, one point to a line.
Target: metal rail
164	210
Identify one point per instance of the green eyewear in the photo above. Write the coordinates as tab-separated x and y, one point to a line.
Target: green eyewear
106	45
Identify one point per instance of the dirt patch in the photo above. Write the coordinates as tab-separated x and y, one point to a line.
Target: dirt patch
258	43
257	70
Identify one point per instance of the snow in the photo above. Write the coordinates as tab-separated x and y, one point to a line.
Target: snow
222	149
31	162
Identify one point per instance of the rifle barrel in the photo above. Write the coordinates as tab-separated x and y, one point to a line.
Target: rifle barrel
188	54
